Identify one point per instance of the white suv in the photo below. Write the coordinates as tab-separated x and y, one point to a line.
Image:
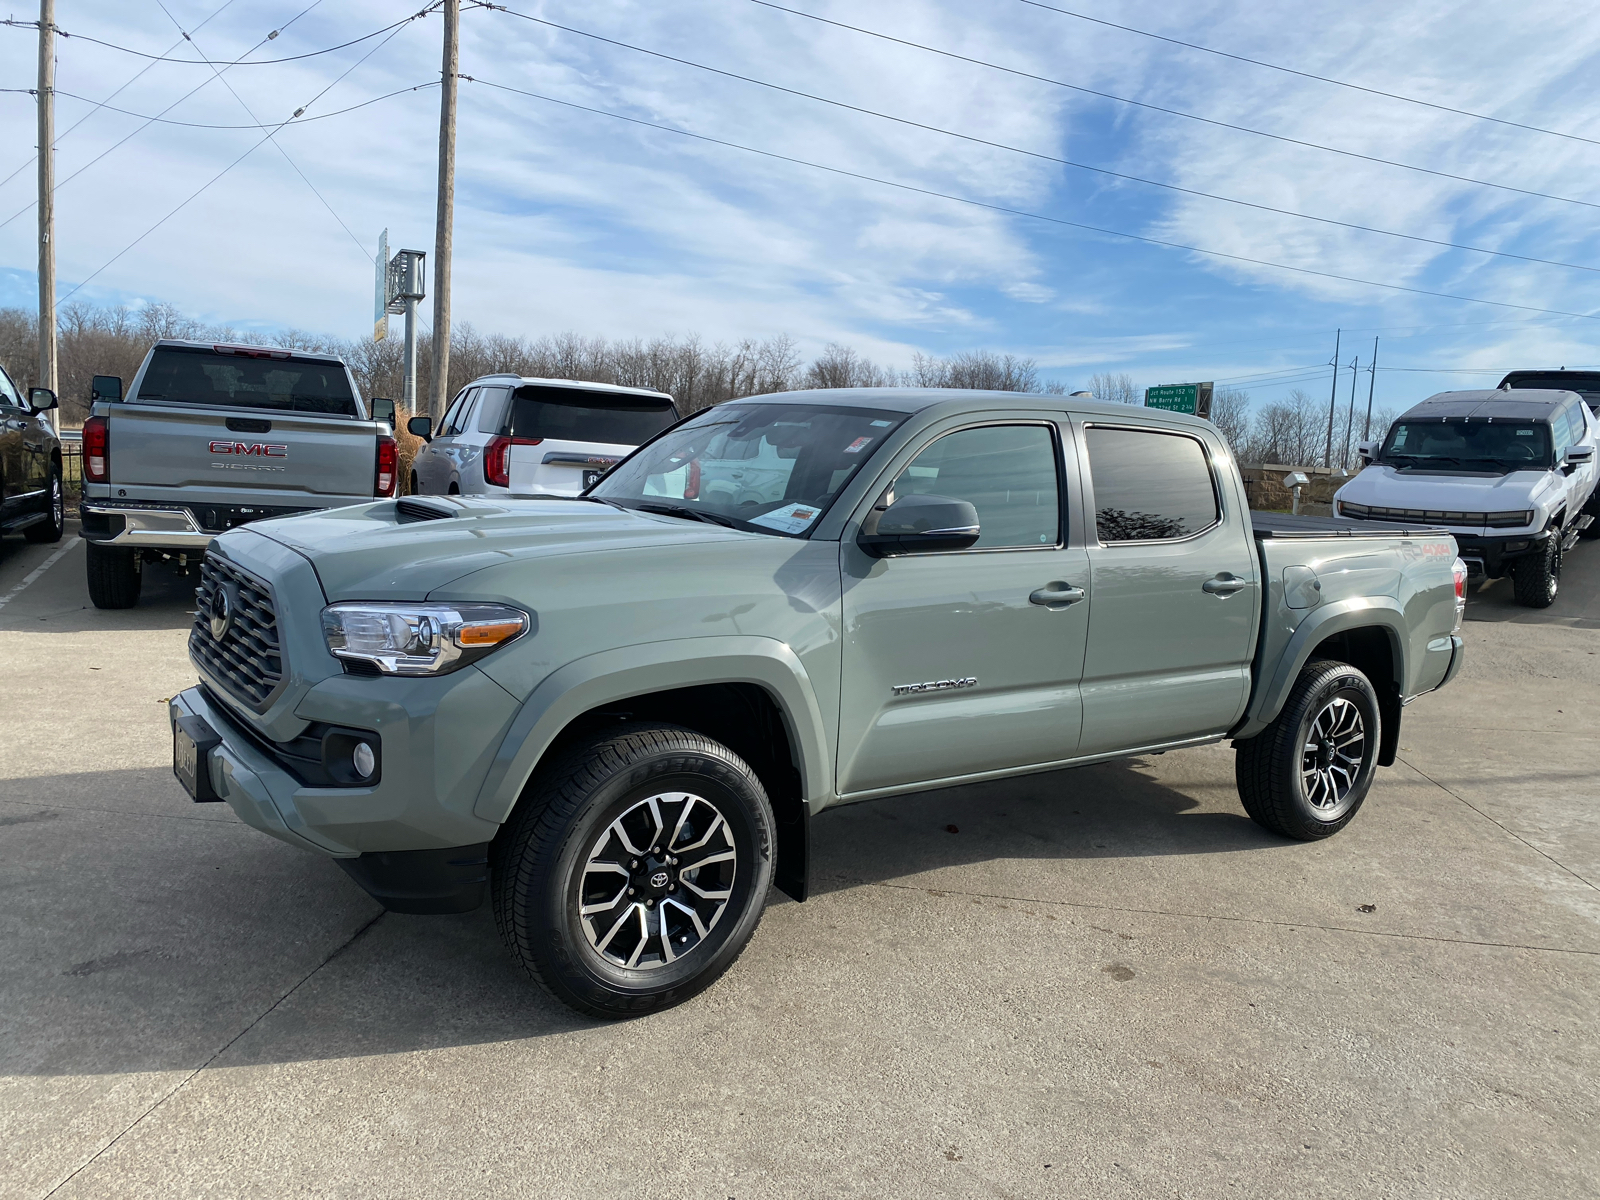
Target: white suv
508	435
1510	473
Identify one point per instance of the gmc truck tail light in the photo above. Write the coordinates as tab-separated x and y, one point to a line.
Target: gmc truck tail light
691	482
1459	570
388	457
96	451
497	458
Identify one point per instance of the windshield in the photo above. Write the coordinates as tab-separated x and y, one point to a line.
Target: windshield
769	468
1468	445
579	414
247	378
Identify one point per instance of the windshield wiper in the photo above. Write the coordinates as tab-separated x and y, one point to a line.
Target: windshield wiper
694	514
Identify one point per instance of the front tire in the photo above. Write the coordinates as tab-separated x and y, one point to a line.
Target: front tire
54	525
635	870
1305	775
114	576
1536	578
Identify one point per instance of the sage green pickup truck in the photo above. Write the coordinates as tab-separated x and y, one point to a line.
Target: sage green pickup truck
616	716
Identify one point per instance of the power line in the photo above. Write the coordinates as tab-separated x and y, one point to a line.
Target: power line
203	62
1356	87
338	112
1067	162
193	195
273	135
1176	112
1017	212
61	137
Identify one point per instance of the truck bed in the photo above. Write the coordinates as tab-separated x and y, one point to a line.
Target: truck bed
1284	525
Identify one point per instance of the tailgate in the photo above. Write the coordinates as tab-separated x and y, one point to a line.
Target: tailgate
554	467
154	445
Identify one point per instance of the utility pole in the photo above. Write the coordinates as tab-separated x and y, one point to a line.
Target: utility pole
1372	382
1349	417
47	202
1333	395
437	398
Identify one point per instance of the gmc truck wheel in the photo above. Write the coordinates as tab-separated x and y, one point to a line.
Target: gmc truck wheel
1536	578
635	869
114	576
53	526
1305	775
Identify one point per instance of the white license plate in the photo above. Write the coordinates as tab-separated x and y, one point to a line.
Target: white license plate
590	478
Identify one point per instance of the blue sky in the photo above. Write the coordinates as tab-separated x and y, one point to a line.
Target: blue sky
569	220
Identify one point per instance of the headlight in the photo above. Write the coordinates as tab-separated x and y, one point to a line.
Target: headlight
1509	520
1347	509
419	639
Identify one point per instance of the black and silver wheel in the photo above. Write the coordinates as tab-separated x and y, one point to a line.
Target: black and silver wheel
635	870
1536	578
114	576
51	528
1306	774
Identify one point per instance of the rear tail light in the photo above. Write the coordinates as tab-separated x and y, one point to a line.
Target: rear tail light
96	451
1459	570
691	485
497	458
388	459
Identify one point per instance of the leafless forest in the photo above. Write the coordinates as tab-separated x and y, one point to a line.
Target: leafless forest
113	341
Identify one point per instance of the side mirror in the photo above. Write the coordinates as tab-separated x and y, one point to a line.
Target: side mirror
421	427
1575	454
383	410
1368	451
106	387
41	399
919	524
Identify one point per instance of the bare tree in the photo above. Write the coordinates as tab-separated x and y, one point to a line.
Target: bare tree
842	367
1115	389
1230	413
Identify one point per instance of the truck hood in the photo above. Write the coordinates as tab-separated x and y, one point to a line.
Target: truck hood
1389	488
380	550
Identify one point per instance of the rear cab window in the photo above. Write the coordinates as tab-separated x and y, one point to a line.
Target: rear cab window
1150	485
541	411
248	377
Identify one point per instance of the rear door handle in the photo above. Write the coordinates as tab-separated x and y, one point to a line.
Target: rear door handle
1057	595
1224	584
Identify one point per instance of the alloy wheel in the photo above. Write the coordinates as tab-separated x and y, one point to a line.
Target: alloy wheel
1330	764
657	881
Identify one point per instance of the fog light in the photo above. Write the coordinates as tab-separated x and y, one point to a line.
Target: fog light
363	760
1516	546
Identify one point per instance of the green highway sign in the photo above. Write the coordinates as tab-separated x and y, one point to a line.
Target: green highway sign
1192	398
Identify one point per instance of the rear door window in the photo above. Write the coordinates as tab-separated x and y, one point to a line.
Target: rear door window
248	378
581	415
452	416
1150	485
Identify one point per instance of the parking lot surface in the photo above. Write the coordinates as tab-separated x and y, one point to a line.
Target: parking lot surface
1102	982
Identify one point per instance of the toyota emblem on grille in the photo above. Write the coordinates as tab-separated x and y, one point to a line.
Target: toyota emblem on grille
224	603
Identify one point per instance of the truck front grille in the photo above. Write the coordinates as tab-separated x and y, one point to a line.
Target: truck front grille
246	659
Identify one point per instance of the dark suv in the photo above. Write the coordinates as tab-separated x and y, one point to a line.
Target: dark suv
31	498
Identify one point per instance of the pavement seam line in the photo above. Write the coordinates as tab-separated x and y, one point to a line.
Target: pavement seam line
38	571
1162	912
1508	832
119	812
182	1083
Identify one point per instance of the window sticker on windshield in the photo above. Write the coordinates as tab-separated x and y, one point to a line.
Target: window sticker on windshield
858	445
1400	437
791	518
1524	433
882	424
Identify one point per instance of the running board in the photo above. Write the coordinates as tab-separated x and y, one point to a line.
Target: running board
1569	537
20	523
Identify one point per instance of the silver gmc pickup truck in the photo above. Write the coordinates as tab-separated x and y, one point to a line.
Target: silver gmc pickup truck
215	436
616	716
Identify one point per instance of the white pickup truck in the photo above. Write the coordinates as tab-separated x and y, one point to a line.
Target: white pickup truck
215	436
1511	474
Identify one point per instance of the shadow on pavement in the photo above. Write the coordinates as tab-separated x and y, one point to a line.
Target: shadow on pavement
137	942
58	601
1577	604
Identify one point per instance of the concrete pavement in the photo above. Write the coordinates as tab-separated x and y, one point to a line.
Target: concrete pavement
1102	982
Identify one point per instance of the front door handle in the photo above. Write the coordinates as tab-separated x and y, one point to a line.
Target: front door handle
1057	595
1224	584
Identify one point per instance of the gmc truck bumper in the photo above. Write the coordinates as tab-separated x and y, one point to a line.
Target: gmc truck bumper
169	526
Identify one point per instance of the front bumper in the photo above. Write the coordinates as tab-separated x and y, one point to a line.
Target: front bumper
1490	556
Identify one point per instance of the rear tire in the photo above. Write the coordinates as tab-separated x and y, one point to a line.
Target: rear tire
54	525
1305	775
635	870
114	576
1536	578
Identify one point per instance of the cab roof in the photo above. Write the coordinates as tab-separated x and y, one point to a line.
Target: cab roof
1525	404
915	400
510	380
